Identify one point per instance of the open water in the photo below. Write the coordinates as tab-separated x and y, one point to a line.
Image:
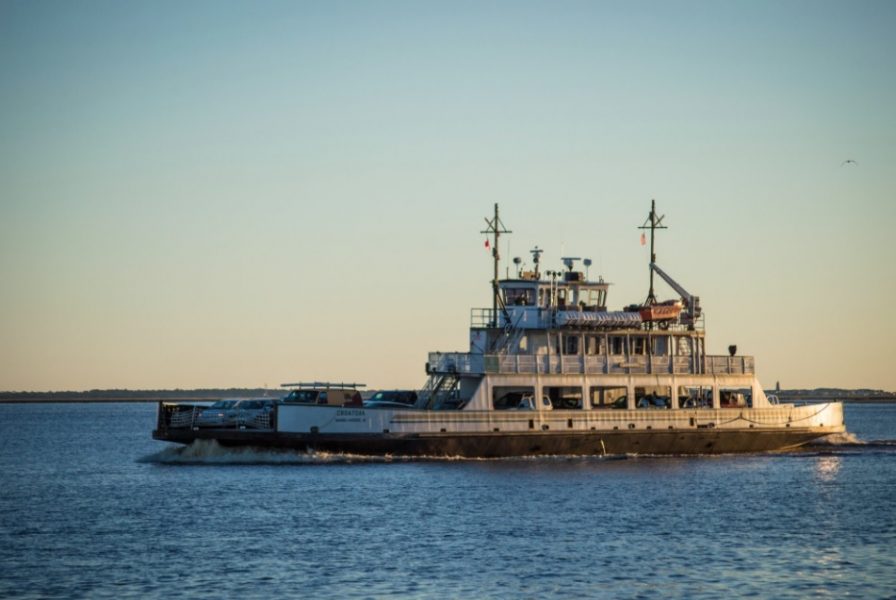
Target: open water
90	506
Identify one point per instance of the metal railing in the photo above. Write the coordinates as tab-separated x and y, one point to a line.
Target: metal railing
186	416
482	317
456	362
729	365
479	364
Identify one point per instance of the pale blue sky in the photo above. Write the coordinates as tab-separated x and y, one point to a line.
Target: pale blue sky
198	194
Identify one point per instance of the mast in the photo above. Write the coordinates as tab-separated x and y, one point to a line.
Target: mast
496	227
655	223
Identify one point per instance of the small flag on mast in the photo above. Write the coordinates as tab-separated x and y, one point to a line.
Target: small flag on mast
487	245
643	239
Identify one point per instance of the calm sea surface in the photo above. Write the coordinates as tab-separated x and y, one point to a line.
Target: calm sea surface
90	506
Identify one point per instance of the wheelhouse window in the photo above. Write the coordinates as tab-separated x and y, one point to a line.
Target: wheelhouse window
519	297
660	345
639	345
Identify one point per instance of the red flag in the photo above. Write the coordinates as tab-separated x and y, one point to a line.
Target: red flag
487	245
643	239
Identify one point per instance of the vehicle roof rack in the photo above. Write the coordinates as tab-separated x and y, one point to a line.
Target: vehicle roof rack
323	384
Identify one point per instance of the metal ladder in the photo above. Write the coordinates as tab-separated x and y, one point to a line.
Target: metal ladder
510	339
437	389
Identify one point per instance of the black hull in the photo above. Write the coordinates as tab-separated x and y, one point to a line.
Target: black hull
496	445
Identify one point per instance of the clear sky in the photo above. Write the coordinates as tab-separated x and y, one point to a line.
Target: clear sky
216	194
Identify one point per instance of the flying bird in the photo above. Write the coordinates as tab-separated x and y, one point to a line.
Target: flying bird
849	161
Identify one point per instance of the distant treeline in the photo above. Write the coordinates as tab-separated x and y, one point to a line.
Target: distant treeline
216	393
861	395
137	395
837	392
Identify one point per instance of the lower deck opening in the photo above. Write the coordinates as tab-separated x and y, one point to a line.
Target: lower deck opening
564	398
605	396
653	397
513	397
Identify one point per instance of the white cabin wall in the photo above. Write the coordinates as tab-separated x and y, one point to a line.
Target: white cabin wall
759	397
468	386
538	343
480	399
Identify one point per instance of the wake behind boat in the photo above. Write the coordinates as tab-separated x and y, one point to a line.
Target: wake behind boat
550	370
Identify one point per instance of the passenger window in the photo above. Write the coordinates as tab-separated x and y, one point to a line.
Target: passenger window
617	345
572	345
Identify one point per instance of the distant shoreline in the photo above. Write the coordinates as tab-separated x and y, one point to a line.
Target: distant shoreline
868	400
49	400
154	400
131	396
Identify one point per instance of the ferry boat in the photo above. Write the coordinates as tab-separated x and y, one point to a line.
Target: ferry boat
550	370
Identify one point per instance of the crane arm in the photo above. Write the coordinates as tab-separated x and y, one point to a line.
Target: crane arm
692	302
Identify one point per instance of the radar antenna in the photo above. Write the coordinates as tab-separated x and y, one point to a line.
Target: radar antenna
496	227
570	261
655	222
536	258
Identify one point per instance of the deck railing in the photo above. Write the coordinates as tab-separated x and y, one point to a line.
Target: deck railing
478	364
729	365
185	416
541	317
482	317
